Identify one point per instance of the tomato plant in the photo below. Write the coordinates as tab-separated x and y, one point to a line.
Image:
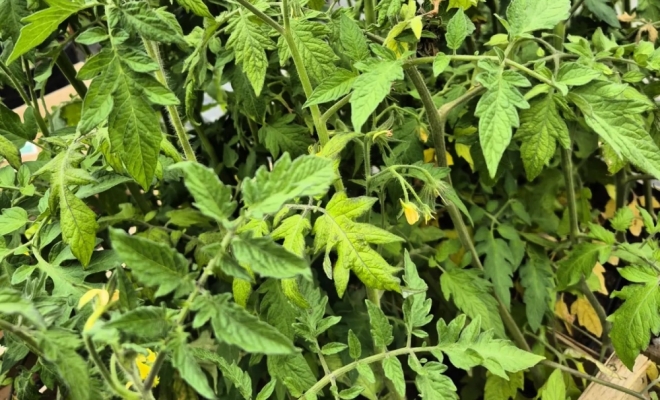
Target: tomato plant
305	200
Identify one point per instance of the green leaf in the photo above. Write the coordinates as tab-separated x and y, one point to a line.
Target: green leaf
333	87
268	258
11	126
333	348
212	197
574	74
497	355
498	388
230	372
41	24
13	303
381	330
69	281
554	388
183	360
316	53
537	279
579	263
370	88
351	393
147	322
622	220
532	15
352	39
293	230
394	372
336	229
541	127
497	114
354	345
462	4
10	152
603	11
432	384
154	264
98	102
78	224
615	117
92	35
157	25
416	307
267	391
499	267
250	41
458	28
471	294
440	63
635	320
196	6
134	129
268	191
232	324
73	370
293	371
12	219
11	13
285	136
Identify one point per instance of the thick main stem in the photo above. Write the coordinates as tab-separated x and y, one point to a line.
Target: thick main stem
437	127
182	135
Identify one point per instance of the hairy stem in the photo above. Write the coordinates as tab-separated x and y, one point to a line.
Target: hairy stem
437	126
370	12
114	385
335	108
593	379
567	167
19	88
69	72
182	135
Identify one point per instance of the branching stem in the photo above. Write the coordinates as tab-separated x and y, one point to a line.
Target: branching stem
182	135
26	99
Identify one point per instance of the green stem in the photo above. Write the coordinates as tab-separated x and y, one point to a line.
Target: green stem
24	336
19	88
69	72
183	314
335	107
368	360
592	379
138	196
567	167
621	185
152	51
369	12
207	146
648	198
114	385
437	127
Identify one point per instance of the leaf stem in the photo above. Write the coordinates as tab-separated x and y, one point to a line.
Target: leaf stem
25	337
21	91
567	167
592	379
114	385
335	108
69	72
368	360
154	54
183	314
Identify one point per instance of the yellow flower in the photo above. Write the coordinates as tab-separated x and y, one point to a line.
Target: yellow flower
410	211
102	301
144	364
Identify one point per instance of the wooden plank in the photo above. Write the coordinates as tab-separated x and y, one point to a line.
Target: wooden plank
635	380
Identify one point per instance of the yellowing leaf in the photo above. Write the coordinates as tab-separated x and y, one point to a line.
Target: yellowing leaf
587	316
613	260
429	156
561	311
610	209
423	134
642	202
652	371
416	26
450	159
638	223
463	151
598	271
464	4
